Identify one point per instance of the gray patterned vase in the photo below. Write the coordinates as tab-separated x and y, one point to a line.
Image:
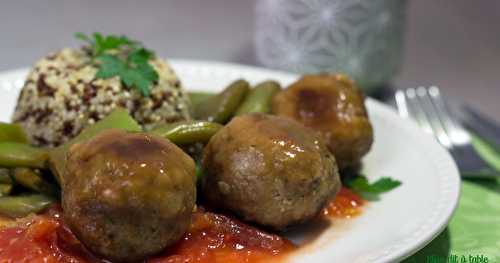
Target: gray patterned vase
362	38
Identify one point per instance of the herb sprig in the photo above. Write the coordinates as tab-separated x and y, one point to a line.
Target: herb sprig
371	191
122	57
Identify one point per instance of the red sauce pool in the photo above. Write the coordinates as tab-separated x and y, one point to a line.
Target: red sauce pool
211	238
217	238
347	204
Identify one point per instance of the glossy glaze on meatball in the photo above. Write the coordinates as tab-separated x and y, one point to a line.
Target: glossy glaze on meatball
269	170
333	106
128	195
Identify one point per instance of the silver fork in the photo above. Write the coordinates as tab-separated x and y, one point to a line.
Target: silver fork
427	107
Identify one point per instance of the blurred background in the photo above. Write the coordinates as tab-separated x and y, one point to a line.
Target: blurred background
454	44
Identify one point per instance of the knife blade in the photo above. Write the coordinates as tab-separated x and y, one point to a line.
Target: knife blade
481	124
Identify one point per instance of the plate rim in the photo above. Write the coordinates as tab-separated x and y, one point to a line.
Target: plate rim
450	181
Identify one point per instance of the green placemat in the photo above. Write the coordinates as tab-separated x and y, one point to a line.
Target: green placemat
473	234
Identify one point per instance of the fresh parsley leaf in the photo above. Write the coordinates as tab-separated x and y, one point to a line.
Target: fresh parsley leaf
140	56
369	190
101	44
110	66
97	37
128	60
148	72
82	36
111	42
140	75
384	184
134	78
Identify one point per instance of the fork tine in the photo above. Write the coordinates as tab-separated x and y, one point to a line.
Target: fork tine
457	133
430	111
433	116
401	104
469	162
415	110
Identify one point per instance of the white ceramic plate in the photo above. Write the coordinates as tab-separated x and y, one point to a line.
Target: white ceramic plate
389	230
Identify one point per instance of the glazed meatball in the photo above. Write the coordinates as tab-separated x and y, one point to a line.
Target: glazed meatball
333	106
127	196
269	170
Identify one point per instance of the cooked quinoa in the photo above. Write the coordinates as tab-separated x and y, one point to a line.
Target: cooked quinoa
61	96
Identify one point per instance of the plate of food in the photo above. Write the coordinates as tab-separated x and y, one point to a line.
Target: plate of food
110	154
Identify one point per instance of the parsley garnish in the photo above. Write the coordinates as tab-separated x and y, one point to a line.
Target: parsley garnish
122	57
369	190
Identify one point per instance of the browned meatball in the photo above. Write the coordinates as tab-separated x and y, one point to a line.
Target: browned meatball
333	106
128	195
269	170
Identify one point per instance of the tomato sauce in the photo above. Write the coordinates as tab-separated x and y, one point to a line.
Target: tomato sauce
218	238
211	238
43	238
346	204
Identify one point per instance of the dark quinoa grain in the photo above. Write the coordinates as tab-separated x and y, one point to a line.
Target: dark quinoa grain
61	96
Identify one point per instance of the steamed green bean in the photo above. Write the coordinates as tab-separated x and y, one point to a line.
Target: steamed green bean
220	108
21	206
12	133
5	189
14	154
33	180
259	98
198	97
5	176
188	132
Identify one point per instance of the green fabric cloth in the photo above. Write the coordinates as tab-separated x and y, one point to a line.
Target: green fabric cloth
474	231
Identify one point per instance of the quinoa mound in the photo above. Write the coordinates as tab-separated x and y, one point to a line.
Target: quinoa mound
61	96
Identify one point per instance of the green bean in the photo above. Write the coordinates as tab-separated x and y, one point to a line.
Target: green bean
197	97
33	180
12	133
118	119
259	98
13	154
221	107
21	206
188	132
5	182
199	172
5	176
5	189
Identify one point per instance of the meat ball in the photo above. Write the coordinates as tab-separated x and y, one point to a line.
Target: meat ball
269	170
127	196
333	106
